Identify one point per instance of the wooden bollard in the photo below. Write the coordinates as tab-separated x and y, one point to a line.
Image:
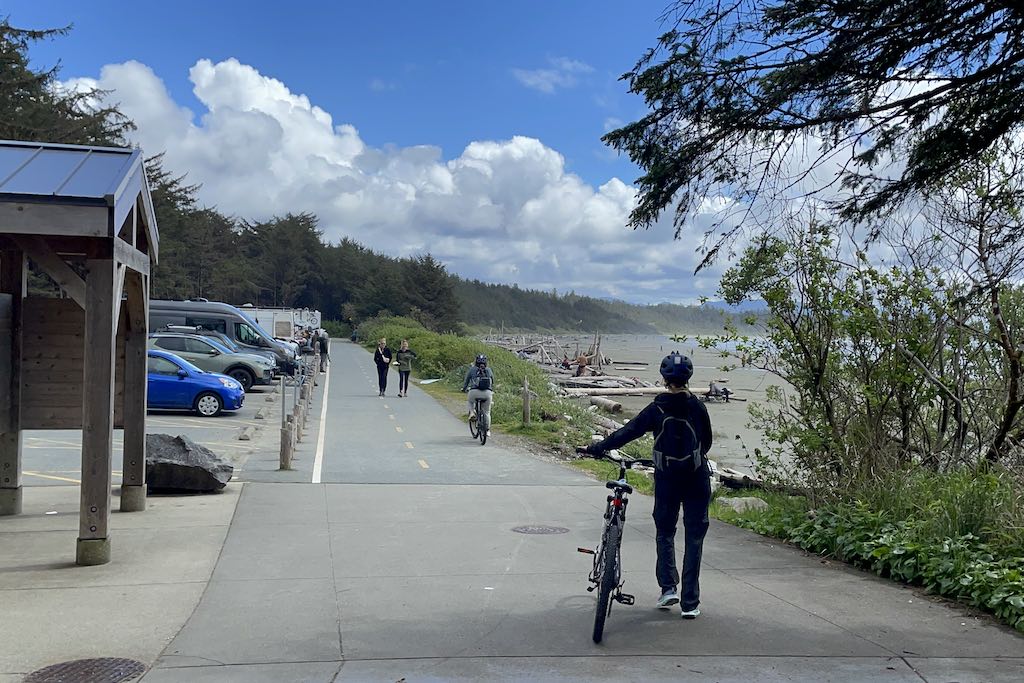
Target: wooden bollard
526	401
286	447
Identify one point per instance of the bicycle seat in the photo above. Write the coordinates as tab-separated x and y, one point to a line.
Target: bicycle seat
620	485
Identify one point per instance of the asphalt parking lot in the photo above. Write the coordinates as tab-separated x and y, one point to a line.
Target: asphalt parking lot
54	457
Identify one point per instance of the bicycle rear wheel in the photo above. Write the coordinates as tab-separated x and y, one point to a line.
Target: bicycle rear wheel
482	426
609	577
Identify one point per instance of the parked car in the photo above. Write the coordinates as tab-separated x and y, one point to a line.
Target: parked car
176	384
223	318
207	354
225	341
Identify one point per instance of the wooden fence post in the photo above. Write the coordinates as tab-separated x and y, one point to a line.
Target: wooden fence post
526	401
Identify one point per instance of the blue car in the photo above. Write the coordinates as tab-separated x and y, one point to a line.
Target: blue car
176	384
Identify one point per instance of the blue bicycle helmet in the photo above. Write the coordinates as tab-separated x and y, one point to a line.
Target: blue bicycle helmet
481	359
676	368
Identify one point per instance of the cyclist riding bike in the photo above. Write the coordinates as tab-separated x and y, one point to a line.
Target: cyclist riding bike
682	439
480	385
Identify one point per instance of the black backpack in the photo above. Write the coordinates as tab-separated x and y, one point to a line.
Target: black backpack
676	446
483	381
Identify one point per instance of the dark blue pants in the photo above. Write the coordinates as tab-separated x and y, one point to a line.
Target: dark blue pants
691	490
382	378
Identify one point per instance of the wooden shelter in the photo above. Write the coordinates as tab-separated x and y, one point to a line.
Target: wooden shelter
83	216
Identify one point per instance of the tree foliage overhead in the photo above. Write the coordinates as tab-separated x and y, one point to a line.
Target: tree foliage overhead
33	105
734	87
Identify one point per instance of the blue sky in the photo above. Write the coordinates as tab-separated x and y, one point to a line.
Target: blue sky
468	131
436	73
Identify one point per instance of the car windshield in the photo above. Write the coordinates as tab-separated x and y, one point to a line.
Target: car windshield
216	343
181	362
255	326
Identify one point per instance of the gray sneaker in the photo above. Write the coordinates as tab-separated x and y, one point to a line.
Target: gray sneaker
689	613
667	599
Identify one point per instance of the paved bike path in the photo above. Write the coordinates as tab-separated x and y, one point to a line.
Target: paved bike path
404	564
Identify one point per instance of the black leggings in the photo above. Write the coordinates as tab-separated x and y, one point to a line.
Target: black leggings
382	377
403	381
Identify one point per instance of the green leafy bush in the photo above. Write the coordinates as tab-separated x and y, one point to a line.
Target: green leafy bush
936	533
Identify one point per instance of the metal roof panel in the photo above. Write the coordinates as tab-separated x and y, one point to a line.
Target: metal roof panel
61	170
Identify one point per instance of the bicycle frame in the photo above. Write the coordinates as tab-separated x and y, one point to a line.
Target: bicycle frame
614	516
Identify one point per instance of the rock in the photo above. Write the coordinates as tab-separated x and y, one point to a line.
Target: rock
180	464
743	504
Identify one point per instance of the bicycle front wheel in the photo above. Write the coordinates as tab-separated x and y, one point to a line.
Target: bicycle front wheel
609	577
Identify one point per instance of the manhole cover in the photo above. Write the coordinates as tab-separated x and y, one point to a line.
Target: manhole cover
540	529
102	670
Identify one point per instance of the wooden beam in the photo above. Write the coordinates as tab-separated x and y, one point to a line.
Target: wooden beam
13	275
131	257
97	413
64	275
28	218
133	468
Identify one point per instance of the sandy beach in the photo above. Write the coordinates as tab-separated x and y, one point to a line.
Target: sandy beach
734	438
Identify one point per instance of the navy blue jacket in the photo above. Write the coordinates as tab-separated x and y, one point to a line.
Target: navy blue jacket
650	419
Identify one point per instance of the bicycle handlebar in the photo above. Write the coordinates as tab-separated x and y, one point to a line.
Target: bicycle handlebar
615	456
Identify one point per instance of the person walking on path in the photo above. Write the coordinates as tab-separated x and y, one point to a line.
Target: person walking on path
682	476
324	344
404	357
382	357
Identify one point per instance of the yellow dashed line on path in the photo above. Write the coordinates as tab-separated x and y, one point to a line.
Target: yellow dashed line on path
399	430
408	444
423	464
391	417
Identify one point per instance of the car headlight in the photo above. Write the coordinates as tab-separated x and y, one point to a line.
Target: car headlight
230	383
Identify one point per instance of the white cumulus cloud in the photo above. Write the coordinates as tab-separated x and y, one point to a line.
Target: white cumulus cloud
502	211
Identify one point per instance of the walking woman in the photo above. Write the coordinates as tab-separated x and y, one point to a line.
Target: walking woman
382	357
404	357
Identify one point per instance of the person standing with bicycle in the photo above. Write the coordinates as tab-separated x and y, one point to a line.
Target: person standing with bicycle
480	385
682	476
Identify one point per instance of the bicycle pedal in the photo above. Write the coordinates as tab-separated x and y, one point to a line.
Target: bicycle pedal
588	551
625	599
590	589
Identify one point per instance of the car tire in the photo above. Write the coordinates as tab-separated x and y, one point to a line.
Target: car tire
208	404
243	377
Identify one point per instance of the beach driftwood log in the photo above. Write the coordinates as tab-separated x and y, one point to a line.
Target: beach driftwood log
617	391
606	404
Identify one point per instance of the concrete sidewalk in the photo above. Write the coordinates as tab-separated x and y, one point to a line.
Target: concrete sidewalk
405	565
52	610
380	583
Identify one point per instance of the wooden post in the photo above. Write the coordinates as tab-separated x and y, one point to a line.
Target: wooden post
133	467
526	401
286	447
97	412
13	275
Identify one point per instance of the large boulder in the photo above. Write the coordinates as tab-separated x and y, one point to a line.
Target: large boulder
177	463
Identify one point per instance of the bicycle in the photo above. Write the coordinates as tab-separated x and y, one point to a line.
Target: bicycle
606	575
478	424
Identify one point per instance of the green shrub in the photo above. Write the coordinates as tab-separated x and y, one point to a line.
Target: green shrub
939	531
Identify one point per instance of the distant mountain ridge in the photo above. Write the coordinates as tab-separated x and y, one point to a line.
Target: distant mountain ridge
486	306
